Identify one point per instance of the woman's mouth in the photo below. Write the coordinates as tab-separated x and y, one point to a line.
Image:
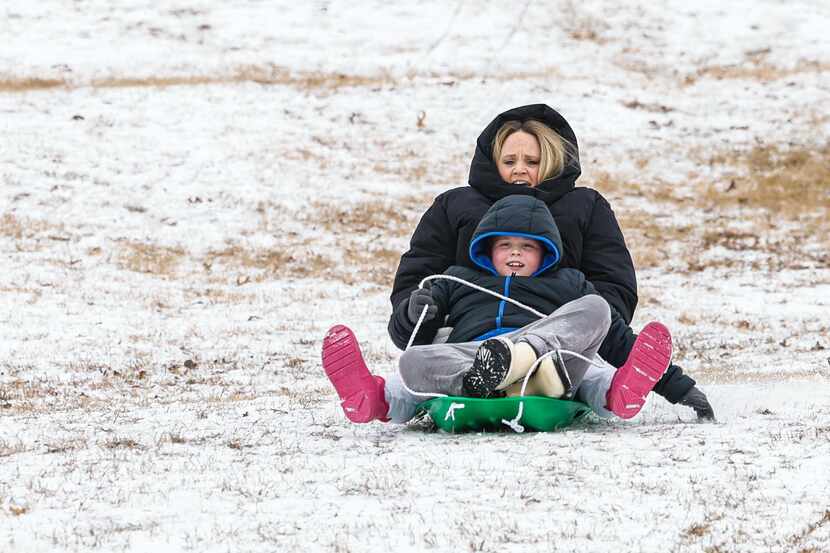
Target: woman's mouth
521	182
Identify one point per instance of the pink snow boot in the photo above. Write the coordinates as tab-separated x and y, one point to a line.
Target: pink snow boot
361	393
648	360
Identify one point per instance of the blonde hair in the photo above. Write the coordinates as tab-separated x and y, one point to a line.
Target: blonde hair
553	149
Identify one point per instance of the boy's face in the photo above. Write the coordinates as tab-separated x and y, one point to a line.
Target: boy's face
516	255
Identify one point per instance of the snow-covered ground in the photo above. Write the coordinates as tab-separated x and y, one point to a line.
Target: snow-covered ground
191	193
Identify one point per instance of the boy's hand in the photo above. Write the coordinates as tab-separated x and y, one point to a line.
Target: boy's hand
417	300
697	400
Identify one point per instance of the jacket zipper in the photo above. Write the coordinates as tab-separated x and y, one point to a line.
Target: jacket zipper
503	303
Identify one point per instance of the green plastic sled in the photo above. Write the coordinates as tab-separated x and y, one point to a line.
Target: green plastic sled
531	413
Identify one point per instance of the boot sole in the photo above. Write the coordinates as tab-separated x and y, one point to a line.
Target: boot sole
347	371
649	358
490	367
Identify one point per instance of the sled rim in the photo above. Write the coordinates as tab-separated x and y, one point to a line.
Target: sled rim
541	414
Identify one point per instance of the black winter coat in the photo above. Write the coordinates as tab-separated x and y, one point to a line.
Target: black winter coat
592	240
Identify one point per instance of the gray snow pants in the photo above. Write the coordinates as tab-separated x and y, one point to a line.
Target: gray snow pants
579	326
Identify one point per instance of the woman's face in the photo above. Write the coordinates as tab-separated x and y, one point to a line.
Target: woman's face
519	160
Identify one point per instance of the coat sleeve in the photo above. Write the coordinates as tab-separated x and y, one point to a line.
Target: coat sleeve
620	338
431	251
607	262
674	384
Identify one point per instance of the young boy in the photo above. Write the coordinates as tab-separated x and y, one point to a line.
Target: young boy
494	343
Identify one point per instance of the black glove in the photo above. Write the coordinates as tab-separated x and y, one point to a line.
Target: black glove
696	399
417	300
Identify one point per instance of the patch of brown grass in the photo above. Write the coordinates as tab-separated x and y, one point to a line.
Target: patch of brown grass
788	181
307	80
173	438
611	186
10	226
362	218
20	395
29	84
824	519
7	449
697	530
320	82
279	261
767	186
687	319
779	253
223	295
122	443
648	237
150	258
157	82
409	173
19	228
236	395
65	446
264	75
754	69
18	510
374	265
652	107
580	26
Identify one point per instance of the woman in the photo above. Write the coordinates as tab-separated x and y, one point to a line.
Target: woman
532	150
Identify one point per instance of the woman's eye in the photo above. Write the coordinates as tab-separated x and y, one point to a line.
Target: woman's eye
532	162
508	162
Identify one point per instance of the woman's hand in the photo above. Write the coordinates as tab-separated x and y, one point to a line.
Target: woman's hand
419	298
